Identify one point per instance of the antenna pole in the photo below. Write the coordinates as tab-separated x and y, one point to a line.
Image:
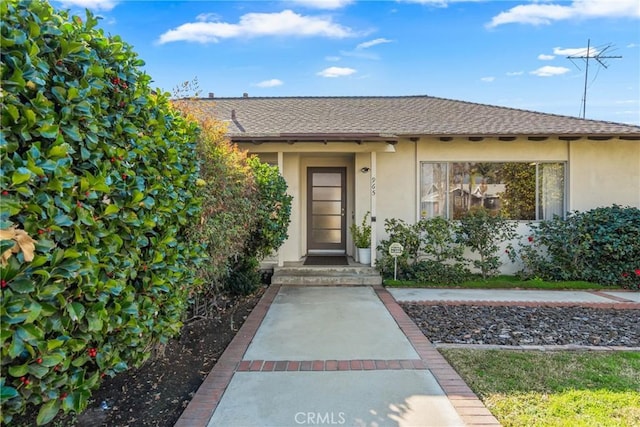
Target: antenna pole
598	56
586	74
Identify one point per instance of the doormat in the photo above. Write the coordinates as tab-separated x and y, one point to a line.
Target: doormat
326	260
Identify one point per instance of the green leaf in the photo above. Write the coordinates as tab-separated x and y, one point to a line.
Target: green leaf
48	411
49	131
34	311
16	347
111	209
13	112
38	371
25	191
30	116
95	322
20	175
137	196
17	371
72	132
56	343
16	78
71	253
50	291
29	333
76	311
58	151
148	202
60	94
6	393
6	245
63	220
52	360
22	285
76	344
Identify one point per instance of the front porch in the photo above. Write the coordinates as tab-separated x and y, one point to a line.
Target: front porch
353	274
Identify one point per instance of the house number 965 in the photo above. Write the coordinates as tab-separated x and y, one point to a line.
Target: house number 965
373	186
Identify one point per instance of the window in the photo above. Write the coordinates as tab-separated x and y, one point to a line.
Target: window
517	190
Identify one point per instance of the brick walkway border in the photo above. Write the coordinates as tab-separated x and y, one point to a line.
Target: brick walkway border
204	403
465	402
328	365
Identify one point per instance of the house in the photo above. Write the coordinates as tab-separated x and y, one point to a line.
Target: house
412	157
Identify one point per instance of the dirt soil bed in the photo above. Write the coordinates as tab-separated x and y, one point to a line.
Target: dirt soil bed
157	393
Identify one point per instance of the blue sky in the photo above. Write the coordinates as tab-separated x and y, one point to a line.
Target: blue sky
508	53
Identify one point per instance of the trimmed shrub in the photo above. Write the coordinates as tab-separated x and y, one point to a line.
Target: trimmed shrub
268	230
230	194
100	172
403	233
601	245
272	211
433	255
246	210
483	232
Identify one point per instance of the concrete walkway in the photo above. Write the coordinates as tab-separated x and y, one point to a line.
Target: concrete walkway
351	356
332	356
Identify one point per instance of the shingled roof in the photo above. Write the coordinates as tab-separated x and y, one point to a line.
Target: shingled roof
377	117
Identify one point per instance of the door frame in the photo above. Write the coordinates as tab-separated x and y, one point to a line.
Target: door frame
329	248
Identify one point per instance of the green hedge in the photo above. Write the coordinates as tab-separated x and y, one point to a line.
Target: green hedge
601	245
100	172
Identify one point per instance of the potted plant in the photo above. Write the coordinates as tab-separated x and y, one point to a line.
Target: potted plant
362	239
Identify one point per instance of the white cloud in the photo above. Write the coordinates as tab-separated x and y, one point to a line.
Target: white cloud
324	4
332	58
359	53
90	4
515	73
543	57
371	43
546	13
575	51
270	83
487	79
285	23
632	45
336	72
442	3
208	17
549	71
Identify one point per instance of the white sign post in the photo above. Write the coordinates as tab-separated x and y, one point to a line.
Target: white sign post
395	250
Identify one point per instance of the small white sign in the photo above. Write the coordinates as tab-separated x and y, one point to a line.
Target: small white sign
395	249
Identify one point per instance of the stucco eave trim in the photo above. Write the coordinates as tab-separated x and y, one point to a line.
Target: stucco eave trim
292	138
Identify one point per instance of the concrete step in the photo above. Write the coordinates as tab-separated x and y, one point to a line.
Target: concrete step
326	275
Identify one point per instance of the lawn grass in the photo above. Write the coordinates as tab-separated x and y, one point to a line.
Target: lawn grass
502	282
571	389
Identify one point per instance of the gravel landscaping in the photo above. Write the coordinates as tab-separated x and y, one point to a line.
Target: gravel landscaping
516	325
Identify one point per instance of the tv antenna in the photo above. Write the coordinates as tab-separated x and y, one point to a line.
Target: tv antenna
598	55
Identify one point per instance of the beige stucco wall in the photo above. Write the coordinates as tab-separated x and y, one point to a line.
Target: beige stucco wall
396	184
432	149
602	173
599	173
291	173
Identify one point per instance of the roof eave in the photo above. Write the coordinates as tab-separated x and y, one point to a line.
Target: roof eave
291	138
